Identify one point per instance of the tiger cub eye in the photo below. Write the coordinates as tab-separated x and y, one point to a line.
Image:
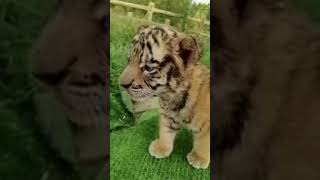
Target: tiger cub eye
148	68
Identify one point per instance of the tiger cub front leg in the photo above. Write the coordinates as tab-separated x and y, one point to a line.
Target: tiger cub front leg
162	147
199	157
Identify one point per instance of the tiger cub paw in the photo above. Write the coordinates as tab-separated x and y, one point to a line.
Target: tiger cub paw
197	161
157	150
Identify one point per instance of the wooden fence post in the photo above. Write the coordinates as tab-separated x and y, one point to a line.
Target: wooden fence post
167	22
150	11
201	24
130	14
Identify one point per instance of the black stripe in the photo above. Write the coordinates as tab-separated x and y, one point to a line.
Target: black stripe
174	33
146	82
141	56
141	37
162	106
165	61
172	73
155	39
158	29
171	118
181	104
149	47
169	76
173	128
148	68
148	34
185	55
142	45
135	52
154	61
134	42
155	87
188	121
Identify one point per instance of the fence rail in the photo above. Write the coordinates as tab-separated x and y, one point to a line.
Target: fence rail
151	9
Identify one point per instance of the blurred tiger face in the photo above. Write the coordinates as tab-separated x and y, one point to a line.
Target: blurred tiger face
70	57
158	62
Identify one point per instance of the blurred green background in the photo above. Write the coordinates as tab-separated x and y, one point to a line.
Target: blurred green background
24	154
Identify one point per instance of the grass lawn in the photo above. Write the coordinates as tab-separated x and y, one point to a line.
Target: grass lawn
129	156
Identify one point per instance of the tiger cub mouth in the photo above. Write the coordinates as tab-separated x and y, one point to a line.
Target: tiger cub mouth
140	96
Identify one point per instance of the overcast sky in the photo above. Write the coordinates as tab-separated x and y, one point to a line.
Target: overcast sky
202	1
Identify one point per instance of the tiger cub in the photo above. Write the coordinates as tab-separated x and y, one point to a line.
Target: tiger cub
165	63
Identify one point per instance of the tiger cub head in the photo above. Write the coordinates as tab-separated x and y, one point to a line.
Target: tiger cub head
159	62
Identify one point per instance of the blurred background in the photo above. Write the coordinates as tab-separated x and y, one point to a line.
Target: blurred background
24	153
132	132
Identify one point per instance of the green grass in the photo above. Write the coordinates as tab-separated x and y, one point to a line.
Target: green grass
24	153
129	157
120	34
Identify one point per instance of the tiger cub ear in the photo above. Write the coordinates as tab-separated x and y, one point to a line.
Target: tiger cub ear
187	48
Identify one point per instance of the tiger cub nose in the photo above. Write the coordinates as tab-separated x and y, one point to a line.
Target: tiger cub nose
126	86
132	84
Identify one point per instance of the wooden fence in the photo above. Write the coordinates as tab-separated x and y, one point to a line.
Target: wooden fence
151	9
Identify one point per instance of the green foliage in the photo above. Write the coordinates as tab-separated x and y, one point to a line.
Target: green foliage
310	7
184	7
200	10
23	152
120	35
